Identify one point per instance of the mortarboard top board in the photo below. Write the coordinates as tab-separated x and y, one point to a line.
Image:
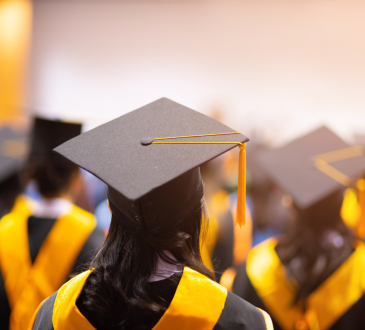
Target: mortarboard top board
48	134
121	154
13	150
311	167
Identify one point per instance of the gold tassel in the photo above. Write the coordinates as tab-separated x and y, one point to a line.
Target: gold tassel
360	229
241	191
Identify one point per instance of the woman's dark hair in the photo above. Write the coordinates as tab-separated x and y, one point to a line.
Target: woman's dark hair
52	173
315	245
116	291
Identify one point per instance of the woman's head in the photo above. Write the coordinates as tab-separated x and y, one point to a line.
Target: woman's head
52	173
316	244
117	287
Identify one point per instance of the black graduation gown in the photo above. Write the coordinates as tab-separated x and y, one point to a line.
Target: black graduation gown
234	314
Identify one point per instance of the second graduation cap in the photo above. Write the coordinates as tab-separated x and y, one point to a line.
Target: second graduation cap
314	166
150	159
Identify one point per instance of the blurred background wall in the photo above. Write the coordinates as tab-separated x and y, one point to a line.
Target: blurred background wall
15	39
274	67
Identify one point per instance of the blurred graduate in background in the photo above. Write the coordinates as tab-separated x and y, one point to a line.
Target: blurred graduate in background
271	208
225	244
312	277
43	241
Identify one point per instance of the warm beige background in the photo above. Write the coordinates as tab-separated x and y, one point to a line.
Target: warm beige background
275	66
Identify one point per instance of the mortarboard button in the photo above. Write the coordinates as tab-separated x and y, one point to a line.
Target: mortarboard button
146	141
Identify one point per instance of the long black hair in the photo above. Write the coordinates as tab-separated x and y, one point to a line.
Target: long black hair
115	294
316	244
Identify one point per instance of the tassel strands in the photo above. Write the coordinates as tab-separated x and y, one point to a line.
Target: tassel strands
241	192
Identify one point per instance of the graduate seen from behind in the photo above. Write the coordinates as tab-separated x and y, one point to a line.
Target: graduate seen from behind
43	241
312	277
149	273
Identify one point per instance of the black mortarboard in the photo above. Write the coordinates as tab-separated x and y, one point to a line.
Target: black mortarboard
48	134
148	180
314	166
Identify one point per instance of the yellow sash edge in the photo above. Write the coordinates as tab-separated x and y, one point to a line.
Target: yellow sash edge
66	315
267	318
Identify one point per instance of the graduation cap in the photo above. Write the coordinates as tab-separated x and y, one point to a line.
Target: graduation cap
313	167
150	159
48	134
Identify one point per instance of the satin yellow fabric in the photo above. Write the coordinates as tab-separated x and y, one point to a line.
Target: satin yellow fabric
22	205
228	277
242	239
197	304
66	315
350	210
324	306
27	285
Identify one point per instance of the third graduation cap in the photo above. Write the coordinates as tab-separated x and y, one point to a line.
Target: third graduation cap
314	166
150	159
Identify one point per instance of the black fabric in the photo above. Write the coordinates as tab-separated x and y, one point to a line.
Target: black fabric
4	306
10	188
238	314
222	256
353	319
161	210
89	250
38	230
43	320
48	134
243	288
160	291
113	152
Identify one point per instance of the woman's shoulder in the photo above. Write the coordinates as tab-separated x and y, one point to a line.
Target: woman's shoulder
43	318
240	314
210	298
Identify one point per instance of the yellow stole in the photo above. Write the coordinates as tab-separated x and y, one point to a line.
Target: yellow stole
324	306
242	239
27	285
197	304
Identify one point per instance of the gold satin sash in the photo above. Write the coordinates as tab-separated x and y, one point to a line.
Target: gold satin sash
197	304
242	237
27	285
324	306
